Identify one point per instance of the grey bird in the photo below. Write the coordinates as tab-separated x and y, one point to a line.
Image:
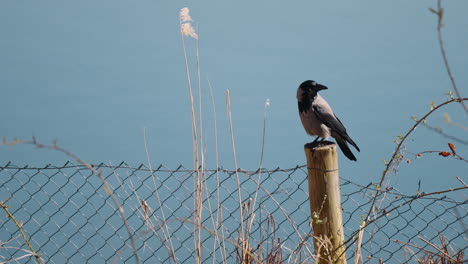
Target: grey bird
318	118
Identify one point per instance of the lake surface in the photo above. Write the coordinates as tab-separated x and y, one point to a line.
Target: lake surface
95	75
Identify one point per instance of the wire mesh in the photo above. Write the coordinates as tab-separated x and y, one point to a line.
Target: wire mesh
69	218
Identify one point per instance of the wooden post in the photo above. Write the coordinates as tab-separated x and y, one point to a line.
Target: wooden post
325	202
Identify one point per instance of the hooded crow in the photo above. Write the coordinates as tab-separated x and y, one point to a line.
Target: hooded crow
318	118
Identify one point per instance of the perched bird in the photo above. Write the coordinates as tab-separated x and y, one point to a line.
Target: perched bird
318	118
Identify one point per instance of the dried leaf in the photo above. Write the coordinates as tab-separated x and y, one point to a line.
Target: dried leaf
452	147
444	153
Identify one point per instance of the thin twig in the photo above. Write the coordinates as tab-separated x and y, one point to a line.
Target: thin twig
20	229
441	132
386	212
106	186
440	15
456	156
396	156
460	180
438	249
415	246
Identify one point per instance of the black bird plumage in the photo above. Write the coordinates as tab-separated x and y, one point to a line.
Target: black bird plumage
318	118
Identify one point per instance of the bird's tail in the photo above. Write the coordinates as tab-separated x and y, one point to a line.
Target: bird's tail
345	148
352	143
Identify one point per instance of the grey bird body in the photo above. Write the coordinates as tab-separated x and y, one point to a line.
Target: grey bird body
318	118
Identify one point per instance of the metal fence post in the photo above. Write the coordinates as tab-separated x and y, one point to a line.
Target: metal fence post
325	203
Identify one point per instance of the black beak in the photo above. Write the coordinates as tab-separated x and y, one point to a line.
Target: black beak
321	87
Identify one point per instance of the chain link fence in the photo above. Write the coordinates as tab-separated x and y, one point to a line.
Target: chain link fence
69	218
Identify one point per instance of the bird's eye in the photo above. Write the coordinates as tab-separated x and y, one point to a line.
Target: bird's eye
314	83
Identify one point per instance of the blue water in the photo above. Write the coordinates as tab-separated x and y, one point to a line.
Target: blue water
94	75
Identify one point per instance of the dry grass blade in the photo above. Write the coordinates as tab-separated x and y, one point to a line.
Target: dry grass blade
164	228
107	188
441	255
358	255
325	246
219	216
442	252
251	257
233	145
20	229
460	180
27	255
186	29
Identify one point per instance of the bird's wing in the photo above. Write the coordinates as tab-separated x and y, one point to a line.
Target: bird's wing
329	119
347	137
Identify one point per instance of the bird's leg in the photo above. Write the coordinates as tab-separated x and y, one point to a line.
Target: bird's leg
320	141
315	143
315	140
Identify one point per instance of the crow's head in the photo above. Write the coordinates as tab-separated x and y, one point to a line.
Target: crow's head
312	86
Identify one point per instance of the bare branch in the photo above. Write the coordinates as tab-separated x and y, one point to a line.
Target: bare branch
440	15
397	156
386	212
441	132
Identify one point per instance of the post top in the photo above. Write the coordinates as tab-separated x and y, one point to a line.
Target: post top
320	144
